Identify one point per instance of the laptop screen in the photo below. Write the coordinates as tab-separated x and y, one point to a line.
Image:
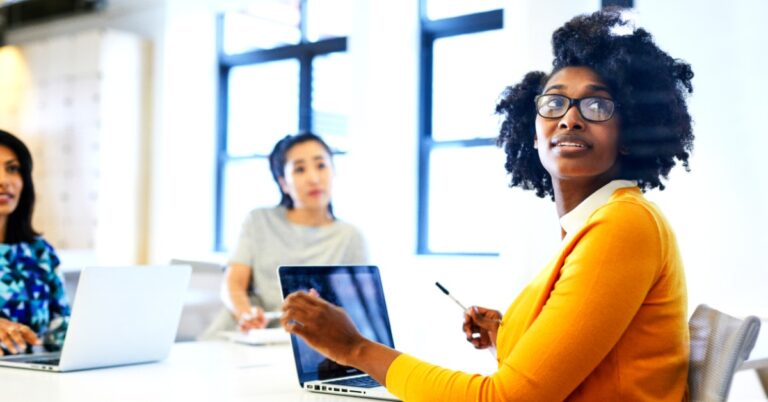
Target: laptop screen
358	290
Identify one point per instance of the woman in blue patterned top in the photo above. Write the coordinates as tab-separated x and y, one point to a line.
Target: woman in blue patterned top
33	306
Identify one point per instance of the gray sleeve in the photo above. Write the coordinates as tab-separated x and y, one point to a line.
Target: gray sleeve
357	249
243	253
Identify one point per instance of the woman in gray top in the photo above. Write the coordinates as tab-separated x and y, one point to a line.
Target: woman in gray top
302	230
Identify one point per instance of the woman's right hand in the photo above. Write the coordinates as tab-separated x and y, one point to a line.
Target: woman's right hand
253	319
480	326
325	327
15	337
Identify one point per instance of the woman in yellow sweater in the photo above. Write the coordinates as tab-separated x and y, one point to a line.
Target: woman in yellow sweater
606	320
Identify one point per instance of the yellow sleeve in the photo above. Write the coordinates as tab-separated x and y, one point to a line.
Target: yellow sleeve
603	282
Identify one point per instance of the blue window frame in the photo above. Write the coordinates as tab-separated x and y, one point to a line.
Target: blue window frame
274	60
457	130
618	3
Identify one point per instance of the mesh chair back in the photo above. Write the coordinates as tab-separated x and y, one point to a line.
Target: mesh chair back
719	345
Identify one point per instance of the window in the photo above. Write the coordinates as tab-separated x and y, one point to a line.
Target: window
282	70
442	9
617	3
461	172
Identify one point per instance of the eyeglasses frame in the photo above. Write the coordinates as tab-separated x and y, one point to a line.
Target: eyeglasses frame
576	102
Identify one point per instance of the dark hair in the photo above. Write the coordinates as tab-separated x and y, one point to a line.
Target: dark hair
277	161
648	85
19	226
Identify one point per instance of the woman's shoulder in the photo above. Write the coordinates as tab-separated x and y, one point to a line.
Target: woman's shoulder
348	228
629	207
45	250
261	211
38	250
38	244
263	214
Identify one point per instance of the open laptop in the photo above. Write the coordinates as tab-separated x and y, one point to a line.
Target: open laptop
120	315
358	290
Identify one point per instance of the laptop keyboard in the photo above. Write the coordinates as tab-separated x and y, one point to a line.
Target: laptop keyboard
362	382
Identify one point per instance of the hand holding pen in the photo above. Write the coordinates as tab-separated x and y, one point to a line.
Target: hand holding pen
480	324
256	318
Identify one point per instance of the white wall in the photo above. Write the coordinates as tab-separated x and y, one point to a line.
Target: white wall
177	202
181	217
719	208
123	198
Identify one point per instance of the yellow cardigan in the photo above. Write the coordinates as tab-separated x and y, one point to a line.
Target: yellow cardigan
606	320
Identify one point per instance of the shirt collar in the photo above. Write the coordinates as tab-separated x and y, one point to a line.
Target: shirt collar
577	217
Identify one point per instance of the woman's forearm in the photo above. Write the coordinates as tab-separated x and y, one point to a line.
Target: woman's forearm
374	359
236	300
235	290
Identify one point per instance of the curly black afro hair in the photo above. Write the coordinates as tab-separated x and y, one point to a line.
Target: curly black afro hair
649	86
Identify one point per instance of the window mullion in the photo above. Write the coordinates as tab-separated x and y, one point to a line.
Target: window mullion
305	92
221	136
425	141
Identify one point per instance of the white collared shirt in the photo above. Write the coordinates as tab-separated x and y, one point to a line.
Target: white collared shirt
577	217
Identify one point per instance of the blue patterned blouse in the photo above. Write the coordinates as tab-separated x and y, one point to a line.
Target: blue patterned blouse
31	291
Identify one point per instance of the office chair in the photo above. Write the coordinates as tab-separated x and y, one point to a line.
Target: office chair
202	301
719	345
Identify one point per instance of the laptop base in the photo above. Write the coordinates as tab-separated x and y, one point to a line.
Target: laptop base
374	393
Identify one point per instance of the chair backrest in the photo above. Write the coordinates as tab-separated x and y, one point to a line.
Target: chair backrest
719	345
202	302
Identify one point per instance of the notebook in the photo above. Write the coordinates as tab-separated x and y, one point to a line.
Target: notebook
120	315
358	290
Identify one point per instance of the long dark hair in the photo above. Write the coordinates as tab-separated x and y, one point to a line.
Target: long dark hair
19	226
277	161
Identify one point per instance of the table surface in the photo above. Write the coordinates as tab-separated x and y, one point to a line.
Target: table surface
198	371
194	371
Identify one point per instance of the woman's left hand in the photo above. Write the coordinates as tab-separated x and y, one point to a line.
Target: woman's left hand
253	319
325	327
481	326
15	337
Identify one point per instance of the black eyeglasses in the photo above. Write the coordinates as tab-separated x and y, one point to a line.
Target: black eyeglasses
591	108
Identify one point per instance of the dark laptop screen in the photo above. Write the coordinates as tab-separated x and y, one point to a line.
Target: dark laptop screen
358	290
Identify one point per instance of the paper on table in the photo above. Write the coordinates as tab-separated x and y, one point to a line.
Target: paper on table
258	336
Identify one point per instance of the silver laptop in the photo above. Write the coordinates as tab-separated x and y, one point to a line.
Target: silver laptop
358	290
120	315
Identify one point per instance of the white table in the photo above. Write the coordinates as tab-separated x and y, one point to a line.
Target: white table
194	371
203	371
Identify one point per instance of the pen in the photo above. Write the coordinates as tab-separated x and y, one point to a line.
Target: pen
447	293
268	315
